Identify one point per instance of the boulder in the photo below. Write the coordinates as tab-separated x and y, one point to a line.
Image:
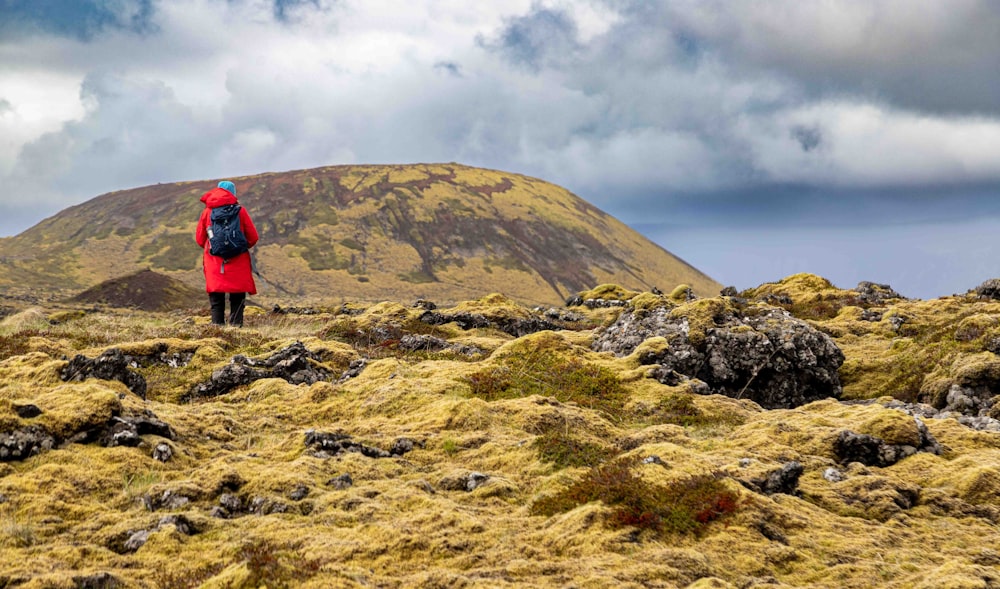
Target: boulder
764	354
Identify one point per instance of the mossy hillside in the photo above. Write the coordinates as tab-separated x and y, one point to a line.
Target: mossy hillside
409	520
446	232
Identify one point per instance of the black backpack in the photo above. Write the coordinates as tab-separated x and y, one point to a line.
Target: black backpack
225	237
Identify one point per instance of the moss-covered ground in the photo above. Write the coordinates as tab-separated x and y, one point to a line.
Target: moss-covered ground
535	462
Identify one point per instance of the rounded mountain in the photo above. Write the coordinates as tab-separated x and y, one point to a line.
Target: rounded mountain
443	232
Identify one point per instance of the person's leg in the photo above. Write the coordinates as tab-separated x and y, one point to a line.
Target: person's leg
237	300
217	302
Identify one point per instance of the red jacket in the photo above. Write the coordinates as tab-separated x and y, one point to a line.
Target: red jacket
237	274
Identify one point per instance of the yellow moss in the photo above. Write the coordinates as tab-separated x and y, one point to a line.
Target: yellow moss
894	427
680	293
980	485
72	408
700	315
648	301
612	292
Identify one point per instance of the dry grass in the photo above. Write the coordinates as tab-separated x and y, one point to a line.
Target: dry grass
565	438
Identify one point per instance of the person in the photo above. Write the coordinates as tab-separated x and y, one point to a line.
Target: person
233	276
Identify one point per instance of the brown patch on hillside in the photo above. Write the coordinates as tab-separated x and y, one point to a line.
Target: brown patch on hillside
145	290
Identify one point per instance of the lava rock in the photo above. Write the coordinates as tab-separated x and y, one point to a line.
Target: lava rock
162	452
24	443
772	358
110	365
294	363
27	411
341	482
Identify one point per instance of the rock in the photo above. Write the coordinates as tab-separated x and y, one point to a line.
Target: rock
97	581
136	540
515	326
771	358
341	482
126	430
353	369
294	363
162	452
463	481
299	493
873	451
231	503
24	443
110	365
412	343
326	445
784	480
729	291
989	289
833	475
871	293
27	411
870	315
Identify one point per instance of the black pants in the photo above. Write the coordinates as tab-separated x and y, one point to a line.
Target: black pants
237	300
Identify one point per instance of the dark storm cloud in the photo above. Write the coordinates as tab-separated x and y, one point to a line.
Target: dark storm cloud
927	55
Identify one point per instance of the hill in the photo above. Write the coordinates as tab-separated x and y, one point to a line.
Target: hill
145	290
443	232
490	444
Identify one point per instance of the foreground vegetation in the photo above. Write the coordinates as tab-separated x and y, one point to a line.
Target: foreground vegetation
476	458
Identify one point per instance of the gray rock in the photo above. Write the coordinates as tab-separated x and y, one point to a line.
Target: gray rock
784	480
834	475
989	289
294	363
110	365
162	452
136	540
772	358
24	442
341	482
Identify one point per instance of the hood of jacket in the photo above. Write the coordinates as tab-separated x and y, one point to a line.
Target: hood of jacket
218	197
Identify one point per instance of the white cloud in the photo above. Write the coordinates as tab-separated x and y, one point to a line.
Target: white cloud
632	99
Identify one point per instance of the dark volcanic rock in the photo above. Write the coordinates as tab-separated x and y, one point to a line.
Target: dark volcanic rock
783	480
110	365
871	293
429	343
325	445
517	327
771	358
873	451
23	443
989	289
295	364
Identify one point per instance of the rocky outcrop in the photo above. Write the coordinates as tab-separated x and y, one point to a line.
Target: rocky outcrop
110	365
989	289
326	445
294	363
768	356
874	451
515	326
429	343
119	430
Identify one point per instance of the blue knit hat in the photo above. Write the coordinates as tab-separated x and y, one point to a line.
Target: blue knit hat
228	186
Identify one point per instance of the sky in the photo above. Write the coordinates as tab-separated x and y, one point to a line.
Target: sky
854	139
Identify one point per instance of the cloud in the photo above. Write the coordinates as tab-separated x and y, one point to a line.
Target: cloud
80	19
706	113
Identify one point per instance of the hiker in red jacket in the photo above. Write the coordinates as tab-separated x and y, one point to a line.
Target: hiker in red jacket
234	275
